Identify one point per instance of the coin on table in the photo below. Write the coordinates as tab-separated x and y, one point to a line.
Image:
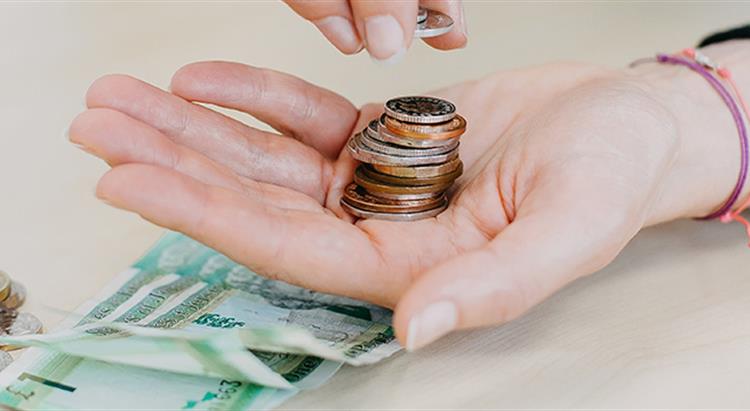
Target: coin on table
386	136
395	216
5	360
16	323
378	188
5	283
420	109
392	149
426	171
17	296
358	197
434	24
366	154
411	181
441	131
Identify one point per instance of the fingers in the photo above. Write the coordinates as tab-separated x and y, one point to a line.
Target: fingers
310	249
386	27
459	35
317	117
250	153
334	19
119	139
551	244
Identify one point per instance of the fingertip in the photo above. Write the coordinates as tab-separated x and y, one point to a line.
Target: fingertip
340	31
101	91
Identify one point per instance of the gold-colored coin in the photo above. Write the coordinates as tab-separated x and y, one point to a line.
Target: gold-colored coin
17	296
376	187
441	131
357	197
5	284
428	171
411	181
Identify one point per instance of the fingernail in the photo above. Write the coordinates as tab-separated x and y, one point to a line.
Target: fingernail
384	37
340	31
390	60
433	322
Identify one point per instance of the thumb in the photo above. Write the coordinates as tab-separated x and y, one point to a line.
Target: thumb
531	258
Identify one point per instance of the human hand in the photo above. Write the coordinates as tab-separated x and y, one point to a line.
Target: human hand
385	28
563	165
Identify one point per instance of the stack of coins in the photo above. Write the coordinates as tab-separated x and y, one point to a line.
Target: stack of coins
410	159
13	322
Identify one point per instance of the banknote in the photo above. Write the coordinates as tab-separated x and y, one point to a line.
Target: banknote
213	309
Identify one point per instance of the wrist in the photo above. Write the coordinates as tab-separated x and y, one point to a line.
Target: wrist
707	161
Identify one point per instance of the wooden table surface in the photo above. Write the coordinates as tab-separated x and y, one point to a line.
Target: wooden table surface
667	325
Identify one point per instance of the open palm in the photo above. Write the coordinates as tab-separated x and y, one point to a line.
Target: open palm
556	182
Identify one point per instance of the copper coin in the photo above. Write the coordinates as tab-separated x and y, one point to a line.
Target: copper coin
420	109
411	181
377	188
427	171
17	296
394	216
435	24
358	197
450	129
383	134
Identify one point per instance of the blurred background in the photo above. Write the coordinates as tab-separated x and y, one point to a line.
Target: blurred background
64	244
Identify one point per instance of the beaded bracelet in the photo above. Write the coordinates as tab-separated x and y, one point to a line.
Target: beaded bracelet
714	74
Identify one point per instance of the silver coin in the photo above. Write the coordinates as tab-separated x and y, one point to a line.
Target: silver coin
23	324
367	155
5	360
369	139
395	216
17	296
420	109
435	24
421	15
380	132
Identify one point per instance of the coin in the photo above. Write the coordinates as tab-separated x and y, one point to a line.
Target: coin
4	285
411	181
367	155
378	188
435	24
427	171
420	109
396	150
17	296
421	15
441	131
358	197
15	323
5	360
384	135
395	216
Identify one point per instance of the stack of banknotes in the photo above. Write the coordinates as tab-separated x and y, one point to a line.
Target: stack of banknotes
187	328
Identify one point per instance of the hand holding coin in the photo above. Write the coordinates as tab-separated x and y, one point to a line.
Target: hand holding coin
549	182
386	28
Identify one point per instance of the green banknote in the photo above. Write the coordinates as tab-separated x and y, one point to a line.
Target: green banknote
187	328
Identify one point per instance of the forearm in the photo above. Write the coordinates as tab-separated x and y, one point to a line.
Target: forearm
707	162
